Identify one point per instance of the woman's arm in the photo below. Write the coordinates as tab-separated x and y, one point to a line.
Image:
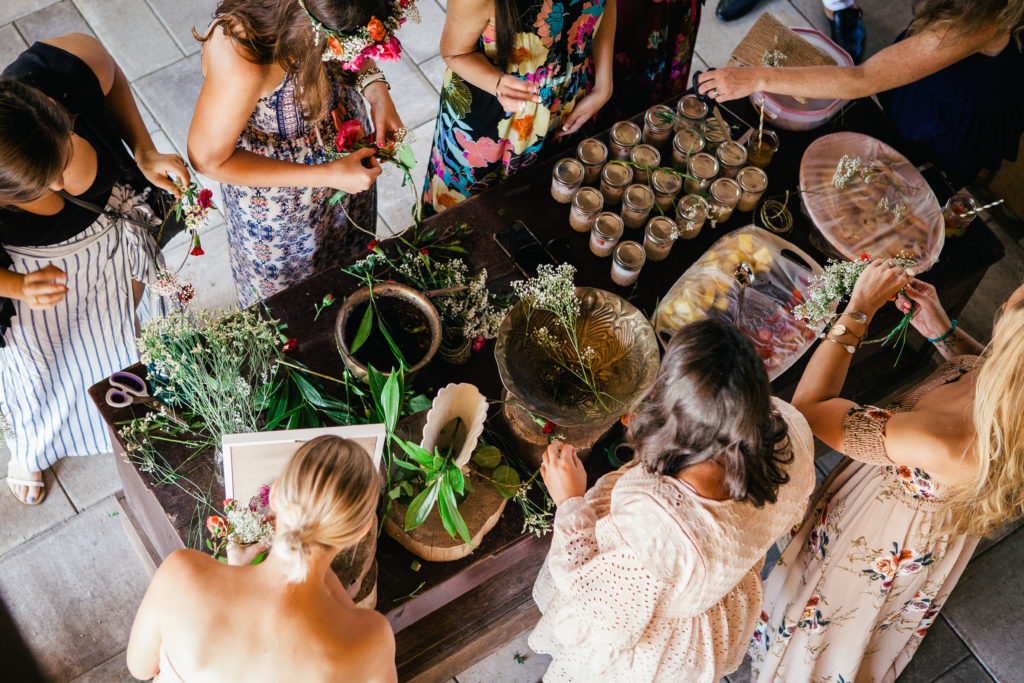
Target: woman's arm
931	321
43	288
228	97
124	112
603	55
463	25
904	62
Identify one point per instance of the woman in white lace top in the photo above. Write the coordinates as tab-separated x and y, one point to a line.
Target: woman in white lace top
654	573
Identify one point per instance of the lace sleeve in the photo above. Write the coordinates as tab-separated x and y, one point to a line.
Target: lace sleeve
864	434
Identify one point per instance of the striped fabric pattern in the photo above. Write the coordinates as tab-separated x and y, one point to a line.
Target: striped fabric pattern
54	355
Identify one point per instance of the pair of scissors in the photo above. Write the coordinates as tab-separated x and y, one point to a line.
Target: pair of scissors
696	85
129	388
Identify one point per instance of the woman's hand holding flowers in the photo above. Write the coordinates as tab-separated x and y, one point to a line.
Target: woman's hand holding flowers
563	473
159	168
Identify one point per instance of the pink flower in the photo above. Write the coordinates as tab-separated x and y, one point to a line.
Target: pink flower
264	494
205	198
217	526
349	134
481	152
479	343
389	50
186	293
355	65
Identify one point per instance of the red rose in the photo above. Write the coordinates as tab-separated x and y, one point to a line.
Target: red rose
290	345
424	252
479	343
372	245
217	526
376	29
349	134
197	248
335	46
205	198
548	428
328	300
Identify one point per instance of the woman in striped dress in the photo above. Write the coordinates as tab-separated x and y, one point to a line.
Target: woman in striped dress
70	280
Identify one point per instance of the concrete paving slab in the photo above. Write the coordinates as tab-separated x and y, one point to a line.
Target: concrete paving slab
88	479
14	9
1001	279
211	273
827	462
54	20
969	671
181	16
742	674
502	667
73	592
716	39
132	33
987	608
147	117
22	522
433	70
997	536
940	651
883	20
114	670
394	202
415	99
171	94
423	40
11	44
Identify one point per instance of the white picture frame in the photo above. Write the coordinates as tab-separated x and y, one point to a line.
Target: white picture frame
256	459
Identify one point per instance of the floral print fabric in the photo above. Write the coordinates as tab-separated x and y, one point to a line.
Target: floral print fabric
279	236
475	143
862	579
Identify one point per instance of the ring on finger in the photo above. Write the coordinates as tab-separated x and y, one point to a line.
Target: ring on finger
713	93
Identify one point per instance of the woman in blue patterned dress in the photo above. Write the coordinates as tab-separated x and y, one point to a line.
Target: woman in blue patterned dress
270	107
518	70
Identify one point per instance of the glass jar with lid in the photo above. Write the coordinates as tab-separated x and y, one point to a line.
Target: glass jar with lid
566	178
658	126
762	147
646	159
753	182
725	194
714	134
637	202
592	153
691	109
686	143
606	233
624	136
691	212
615	178
703	167
658	238
586	204
666	185
627	261
732	156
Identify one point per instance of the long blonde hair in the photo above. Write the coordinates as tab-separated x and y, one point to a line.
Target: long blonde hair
325	498
996	493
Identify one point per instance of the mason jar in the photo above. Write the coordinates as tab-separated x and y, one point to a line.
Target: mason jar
627	261
624	136
691	212
592	153
703	168
637	202
586	204
646	158
566	178
732	156
658	238
714	135
615	178
666	185
605	234
725	194
753	182
762	147
691	109
658	122
686	143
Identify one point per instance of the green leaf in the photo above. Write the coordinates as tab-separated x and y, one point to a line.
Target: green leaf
363	333
455	479
340	417
487	456
394	493
416	452
391	395
336	197
406	157
456	248
376	381
418	403
259	558
395	351
408	489
450	516
420	507
506	480
405	465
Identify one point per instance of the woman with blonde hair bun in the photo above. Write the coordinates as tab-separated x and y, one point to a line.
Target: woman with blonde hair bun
891	530
288	618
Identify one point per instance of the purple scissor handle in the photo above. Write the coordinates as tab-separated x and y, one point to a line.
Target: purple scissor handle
128	388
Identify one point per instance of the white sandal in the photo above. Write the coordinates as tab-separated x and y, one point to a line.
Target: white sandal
14	481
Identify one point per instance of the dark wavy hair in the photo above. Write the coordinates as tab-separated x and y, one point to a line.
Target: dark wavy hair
506	24
965	17
712	401
35	142
279	31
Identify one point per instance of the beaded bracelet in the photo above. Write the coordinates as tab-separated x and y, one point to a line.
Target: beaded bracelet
952	329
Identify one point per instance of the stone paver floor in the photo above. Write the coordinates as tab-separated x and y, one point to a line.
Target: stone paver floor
67	573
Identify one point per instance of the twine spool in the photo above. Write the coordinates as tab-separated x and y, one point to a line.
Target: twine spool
776	216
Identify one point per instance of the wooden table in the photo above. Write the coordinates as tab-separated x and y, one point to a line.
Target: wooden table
448	615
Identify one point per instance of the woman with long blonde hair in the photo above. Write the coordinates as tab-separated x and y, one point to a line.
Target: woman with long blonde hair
891	530
288	618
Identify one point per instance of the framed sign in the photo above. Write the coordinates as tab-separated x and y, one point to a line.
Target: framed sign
257	459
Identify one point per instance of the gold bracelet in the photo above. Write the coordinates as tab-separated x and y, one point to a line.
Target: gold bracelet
839	329
856	316
850	348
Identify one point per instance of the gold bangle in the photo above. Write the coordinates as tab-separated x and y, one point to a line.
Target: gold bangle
857	316
850	348
839	329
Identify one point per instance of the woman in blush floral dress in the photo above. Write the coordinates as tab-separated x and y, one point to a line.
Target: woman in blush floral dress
281	76
893	527
518	71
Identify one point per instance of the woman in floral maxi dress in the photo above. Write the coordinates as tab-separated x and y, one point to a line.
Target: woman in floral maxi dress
891	530
495	119
262	130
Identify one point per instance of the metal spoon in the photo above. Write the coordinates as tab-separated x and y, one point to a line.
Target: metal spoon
744	276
